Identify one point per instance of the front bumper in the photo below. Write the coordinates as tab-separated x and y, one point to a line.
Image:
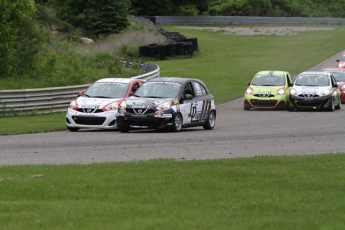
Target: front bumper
146	121
265	103
105	120
310	102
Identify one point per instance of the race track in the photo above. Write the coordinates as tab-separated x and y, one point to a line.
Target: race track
238	133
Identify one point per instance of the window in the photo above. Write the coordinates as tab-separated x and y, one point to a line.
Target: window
199	89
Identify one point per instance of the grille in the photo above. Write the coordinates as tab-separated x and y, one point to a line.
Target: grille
309	103
137	111
308	95
264	95
88	120
271	103
91	110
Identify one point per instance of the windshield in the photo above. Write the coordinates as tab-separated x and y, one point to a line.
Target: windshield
312	80
107	90
339	76
159	89
269	80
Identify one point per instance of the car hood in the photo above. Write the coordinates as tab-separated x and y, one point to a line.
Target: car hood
146	101
270	89
100	102
311	89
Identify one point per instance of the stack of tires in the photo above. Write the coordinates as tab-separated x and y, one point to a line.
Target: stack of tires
179	45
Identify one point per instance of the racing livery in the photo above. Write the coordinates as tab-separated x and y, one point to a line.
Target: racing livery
268	90
168	103
339	75
98	105
315	90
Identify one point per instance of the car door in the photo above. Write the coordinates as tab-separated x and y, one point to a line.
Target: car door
197	108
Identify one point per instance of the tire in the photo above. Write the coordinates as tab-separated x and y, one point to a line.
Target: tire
72	129
289	108
123	130
211	121
331	106
338	106
178	122
245	107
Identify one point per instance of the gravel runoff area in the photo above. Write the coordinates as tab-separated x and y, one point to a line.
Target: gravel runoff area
250	31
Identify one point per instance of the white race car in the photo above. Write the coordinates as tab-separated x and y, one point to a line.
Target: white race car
98	105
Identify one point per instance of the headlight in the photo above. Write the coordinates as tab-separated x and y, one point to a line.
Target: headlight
340	65
164	106
249	91
281	91
123	105
112	106
73	105
325	93
293	92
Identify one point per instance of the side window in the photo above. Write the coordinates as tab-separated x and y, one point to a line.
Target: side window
199	89
188	89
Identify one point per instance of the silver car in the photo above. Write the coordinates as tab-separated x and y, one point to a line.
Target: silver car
314	90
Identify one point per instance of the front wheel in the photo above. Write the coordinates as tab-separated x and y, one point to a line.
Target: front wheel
331	106
178	122
211	121
72	129
339	105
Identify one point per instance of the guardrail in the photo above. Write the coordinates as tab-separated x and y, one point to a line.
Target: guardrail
55	99
246	20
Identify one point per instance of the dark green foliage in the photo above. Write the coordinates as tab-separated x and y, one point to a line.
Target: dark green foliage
107	16
94	17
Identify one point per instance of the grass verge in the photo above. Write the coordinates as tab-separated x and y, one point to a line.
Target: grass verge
300	192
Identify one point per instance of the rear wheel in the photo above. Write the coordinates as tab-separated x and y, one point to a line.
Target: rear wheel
178	122
72	129
211	121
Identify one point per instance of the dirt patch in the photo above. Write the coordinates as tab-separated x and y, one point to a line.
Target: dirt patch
250	31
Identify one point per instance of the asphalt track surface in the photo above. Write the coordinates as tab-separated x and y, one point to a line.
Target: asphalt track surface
237	133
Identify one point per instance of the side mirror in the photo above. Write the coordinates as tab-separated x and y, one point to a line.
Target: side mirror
188	96
248	84
337	60
290	84
335	85
80	94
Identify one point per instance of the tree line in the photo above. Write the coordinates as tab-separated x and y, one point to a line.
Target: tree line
25	25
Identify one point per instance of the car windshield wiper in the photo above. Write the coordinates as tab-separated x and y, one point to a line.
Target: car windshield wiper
153	97
86	95
101	97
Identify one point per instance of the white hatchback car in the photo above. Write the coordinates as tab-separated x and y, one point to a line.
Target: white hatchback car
98	105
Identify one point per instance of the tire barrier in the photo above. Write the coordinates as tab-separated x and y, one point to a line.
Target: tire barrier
179	45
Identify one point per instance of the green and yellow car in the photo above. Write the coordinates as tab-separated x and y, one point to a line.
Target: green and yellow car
268	90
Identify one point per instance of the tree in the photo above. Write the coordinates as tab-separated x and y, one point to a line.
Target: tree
14	18
94	17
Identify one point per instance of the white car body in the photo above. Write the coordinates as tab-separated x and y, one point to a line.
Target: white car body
97	107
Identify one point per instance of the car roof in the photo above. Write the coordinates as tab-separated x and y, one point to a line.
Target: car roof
119	80
333	69
314	72
273	72
174	79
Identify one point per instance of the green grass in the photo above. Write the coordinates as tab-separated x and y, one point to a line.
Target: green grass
244	193
32	124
